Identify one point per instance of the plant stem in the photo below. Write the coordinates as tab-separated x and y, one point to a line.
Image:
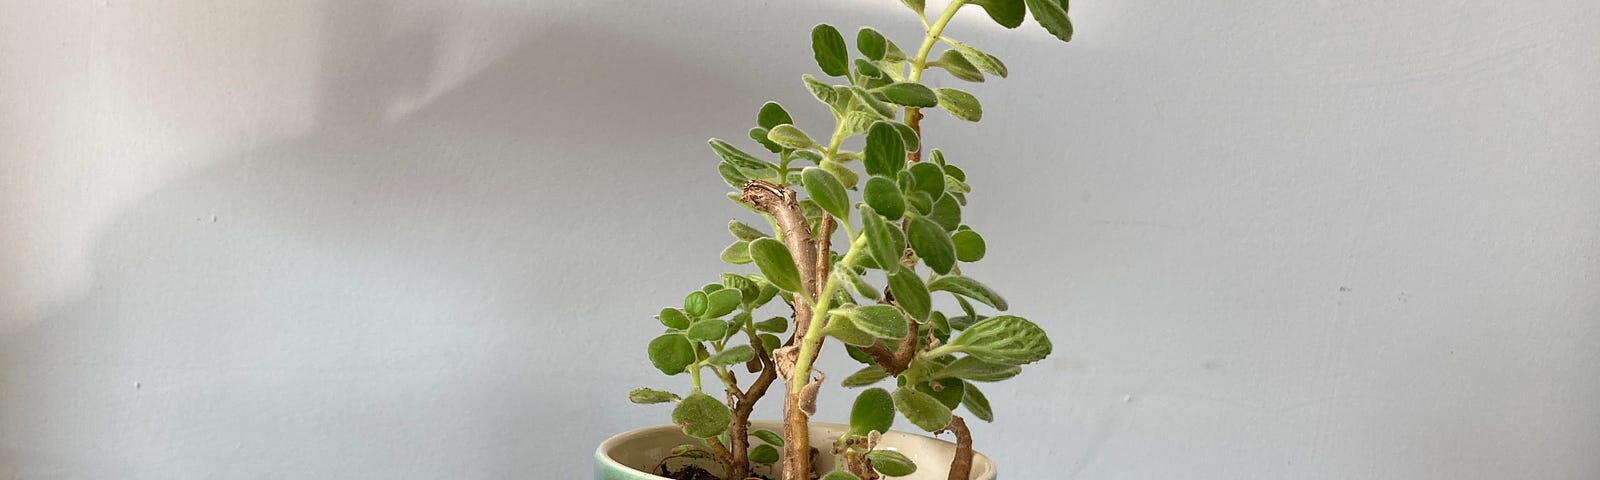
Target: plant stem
808	344
920	62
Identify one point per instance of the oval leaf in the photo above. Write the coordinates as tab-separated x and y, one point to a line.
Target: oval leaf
827	191
722	302
1053	17
763	454
971	368
885	153
969	288
775	263
695	304
931	243
928	178
885	243
976	403
970	246
958	66
1007	13
673	318
1004	339
910	94
671	353
921	409
769	436
910	293
708	330
733	355
891	463
701	416
771	115
829	49
871	44
645	396
873	411
882	321
960	104
865	376
790	136
883	196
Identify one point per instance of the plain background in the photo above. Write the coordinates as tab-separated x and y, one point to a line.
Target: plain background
1331	239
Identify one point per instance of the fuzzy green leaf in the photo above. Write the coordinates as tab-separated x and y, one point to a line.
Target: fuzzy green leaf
673	318
708	330
844	174
773	325
763	454
746	162
882	321
771	115
957	65
910	293
871	44
860	285
790	136
971	368
733	355
769	436
872	411
1053	17
921	409
946	212
976	403
916	5
983	61
891	463
722	302
908	136
827	191
910	94
760	136
933	244
928	178
1004	339
948	393
737	253
701	416
742	231
732	176
970	288
960	104
671	353
970	246
646	396
885	243
695	304
829	49
874	105
866	376
883	196
776	264
885	153
822	91
1007	13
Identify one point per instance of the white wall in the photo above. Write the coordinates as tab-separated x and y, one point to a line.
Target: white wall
360	239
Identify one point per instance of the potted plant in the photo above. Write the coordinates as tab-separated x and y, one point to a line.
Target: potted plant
856	244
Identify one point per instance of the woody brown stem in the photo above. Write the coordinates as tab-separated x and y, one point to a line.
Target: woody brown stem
961	465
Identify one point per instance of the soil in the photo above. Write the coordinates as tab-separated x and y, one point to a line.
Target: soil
691	472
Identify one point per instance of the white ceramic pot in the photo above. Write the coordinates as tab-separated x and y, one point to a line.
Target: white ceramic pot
629	455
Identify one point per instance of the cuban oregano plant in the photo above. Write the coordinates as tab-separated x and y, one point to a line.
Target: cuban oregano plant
898	211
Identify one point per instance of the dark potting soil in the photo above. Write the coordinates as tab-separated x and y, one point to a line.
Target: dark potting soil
691	472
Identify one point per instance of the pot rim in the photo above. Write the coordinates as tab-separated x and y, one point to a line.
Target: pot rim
982	466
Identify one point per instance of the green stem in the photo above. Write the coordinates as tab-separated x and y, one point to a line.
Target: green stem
808	344
920	62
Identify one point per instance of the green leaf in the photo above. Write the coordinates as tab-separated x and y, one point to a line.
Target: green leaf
843	174
931	243
885	243
737	253
871	44
760	136
948	393
907	136
844	329
883	196
772	114
866	376
929	178
695	304
960	104
841	474
722	302
885	153
824	92
976	403
748	290
1053	17
671	353
745	161
860	285
891	463
733	355
970	288
775	263
827	191
946	212
916	5
1004	339
673	318
645	396
873	411
875	106
744	232
732	176
708	330
921	409
769	342
867	70
773	325
882	321
763	454
910	94
983	61
790	136
958	66
858	121
701	416
1007	13
971	368
969	246
910	293
829	49
769	436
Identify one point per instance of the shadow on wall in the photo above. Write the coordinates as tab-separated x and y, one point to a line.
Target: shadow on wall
369	300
